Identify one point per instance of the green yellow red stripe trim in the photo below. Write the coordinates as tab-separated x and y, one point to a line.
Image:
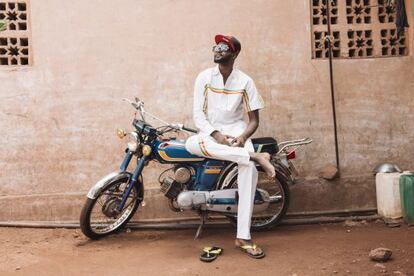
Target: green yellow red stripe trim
242	92
203	148
246	101
205	104
225	91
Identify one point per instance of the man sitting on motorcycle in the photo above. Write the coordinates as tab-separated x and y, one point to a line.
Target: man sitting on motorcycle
222	96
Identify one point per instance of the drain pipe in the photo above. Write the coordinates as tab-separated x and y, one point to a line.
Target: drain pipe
330	41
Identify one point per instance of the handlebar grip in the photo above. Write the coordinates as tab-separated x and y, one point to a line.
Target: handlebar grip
189	129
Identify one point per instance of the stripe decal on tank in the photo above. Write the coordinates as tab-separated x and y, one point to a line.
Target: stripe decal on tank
164	156
212	171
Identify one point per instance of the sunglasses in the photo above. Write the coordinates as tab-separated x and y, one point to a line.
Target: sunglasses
221	48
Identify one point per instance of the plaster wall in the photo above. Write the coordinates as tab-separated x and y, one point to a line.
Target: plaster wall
58	117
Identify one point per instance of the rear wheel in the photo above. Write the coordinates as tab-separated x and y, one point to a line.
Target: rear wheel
101	217
279	201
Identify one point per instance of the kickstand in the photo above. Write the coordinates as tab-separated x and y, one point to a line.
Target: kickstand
203	218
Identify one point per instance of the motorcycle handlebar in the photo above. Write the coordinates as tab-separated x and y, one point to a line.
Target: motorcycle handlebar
189	129
139	105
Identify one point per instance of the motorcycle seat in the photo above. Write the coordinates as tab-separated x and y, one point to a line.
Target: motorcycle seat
265	144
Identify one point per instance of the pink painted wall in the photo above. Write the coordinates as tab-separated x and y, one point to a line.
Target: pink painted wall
58	117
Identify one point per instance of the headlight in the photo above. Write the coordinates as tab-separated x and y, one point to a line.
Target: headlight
133	142
132	146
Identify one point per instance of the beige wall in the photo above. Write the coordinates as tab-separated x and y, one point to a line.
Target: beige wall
58	117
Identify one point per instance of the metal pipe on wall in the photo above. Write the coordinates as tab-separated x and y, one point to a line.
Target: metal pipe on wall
331	77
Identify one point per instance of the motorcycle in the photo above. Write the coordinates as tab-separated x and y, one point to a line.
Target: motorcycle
189	183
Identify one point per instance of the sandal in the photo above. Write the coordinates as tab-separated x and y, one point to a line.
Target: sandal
252	250
210	253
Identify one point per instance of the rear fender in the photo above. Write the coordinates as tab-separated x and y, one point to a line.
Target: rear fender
281	169
284	171
105	181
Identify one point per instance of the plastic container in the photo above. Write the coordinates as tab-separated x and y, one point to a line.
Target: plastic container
388	195
407	197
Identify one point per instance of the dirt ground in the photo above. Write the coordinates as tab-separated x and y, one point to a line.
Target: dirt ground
327	249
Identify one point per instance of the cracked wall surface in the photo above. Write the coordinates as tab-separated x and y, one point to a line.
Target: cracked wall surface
59	114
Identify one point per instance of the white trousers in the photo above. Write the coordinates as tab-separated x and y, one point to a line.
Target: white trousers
207	146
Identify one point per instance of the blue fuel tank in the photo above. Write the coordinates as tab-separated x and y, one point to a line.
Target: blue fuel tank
173	151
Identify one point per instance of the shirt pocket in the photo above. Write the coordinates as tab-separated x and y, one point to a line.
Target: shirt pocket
233	101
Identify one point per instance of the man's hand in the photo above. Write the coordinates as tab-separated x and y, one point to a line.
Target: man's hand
238	142
221	138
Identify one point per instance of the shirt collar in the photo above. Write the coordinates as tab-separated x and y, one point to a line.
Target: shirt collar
216	70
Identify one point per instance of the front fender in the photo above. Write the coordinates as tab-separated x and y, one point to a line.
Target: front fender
101	184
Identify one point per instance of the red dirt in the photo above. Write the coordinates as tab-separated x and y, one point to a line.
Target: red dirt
329	249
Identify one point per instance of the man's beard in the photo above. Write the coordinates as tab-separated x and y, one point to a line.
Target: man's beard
223	60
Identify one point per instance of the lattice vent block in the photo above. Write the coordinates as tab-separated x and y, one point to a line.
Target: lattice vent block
358	11
360	44
319	12
367	29
386	14
14	51
391	45
321	46
15	15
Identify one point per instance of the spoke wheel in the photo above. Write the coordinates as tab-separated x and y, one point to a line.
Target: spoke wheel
100	216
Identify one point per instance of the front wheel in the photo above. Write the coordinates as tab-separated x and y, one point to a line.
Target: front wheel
279	201
101	217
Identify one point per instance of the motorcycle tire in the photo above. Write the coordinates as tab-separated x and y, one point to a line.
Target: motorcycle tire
281	182
111	196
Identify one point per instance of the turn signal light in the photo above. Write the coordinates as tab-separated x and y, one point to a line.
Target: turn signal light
146	150
120	133
291	155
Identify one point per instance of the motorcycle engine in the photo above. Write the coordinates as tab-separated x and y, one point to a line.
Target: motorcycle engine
171	186
182	174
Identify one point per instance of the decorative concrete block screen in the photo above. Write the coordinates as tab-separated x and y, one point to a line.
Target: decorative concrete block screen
14	41
359	29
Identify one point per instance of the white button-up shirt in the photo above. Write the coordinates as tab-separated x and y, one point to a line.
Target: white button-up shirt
222	107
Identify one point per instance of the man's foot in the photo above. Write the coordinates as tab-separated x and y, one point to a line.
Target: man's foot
210	253
263	159
250	248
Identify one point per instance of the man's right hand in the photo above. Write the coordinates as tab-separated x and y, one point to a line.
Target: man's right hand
221	138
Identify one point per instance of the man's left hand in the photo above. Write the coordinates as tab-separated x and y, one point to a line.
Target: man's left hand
238	142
